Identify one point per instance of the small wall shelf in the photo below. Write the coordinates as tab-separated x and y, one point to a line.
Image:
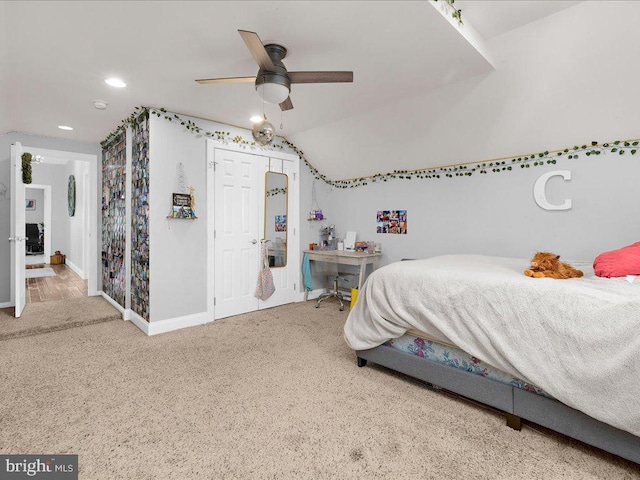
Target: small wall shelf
169	217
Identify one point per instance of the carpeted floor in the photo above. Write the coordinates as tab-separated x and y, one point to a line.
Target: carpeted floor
272	394
44	317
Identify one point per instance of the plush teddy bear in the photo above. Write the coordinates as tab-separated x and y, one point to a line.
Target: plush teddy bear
548	265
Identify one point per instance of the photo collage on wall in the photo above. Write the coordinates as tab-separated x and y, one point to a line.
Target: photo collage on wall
391	221
113	219
140	217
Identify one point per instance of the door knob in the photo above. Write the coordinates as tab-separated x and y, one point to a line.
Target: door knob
254	241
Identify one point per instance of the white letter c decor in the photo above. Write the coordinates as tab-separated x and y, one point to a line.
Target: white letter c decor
539	193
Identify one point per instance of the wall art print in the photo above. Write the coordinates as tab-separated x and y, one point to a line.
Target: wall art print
391	221
71	196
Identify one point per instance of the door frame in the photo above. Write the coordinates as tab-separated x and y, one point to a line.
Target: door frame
91	269
48	224
210	149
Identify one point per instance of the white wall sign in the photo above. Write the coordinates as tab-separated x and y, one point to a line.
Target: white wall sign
539	190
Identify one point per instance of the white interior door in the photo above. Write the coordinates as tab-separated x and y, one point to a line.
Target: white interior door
238	200
17	238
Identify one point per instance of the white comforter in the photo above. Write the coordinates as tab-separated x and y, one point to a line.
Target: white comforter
578	339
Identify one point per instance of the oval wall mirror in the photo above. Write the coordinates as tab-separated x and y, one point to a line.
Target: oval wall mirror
275	217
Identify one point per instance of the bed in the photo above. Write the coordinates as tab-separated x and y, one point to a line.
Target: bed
564	354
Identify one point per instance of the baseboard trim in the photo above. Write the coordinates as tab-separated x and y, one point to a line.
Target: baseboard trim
170	324
7	305
75	268
115	304
138	321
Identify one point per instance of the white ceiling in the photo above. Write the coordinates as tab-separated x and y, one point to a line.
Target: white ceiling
495	17
54	57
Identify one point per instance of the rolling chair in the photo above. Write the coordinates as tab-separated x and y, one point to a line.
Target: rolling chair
329	268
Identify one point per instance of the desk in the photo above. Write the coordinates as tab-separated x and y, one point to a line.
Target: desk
346	257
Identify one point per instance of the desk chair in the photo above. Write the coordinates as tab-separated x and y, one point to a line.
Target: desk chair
329	268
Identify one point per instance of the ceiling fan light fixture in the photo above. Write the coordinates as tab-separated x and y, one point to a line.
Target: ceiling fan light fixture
272	92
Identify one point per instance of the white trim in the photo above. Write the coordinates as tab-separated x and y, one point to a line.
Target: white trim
138	321
7	304
74	267
115	304
177	323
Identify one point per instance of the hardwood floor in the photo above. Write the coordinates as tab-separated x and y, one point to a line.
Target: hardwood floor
65	284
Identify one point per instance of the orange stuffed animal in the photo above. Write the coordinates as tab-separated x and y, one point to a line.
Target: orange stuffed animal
548	265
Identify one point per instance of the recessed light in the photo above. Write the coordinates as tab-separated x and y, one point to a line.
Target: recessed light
256	118
115	82
100	105
65	127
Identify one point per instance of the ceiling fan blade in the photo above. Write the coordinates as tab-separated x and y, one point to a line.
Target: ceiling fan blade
320	77
205	81
255	46
286	105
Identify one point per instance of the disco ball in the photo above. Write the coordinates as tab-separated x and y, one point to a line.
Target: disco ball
263	132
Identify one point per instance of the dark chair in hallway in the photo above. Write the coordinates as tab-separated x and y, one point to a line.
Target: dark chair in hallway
34	241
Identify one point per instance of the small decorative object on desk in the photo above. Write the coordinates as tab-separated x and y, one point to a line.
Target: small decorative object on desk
361	247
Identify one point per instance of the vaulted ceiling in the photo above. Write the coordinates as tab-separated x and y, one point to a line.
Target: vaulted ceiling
54	57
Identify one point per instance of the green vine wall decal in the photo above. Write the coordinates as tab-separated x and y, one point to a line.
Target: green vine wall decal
455	13
499	165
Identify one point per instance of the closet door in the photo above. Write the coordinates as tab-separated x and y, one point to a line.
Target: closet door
285	278
238	200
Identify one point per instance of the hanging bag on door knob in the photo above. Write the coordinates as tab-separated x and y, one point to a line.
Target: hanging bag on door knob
265	286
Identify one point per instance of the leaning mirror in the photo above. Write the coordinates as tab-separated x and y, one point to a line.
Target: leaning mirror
275	217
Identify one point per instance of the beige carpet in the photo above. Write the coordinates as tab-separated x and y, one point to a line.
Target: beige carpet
274	394
44	317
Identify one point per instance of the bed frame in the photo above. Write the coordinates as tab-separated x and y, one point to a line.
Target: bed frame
516	403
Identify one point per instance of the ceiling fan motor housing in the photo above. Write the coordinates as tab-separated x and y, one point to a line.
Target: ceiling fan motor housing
269	84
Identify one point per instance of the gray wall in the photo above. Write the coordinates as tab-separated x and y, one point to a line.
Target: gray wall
37	215
495	214
5	207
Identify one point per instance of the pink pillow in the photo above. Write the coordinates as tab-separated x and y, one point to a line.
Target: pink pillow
618	263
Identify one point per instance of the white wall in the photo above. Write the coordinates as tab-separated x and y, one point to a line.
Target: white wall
5	208
495	214
55	175
563	80
37	215
77	234
178	248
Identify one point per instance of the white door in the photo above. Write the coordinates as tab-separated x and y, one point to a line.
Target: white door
238	201
286	278
17	238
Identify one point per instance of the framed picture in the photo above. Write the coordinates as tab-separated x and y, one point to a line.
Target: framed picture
30	204
391	221
281	223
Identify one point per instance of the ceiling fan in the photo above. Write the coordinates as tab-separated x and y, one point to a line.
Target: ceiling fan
273	82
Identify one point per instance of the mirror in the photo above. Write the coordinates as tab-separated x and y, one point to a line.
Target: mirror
275	217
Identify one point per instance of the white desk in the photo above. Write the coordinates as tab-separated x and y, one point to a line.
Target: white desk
346	257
